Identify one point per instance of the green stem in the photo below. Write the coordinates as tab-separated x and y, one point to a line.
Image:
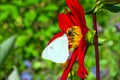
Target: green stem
96	48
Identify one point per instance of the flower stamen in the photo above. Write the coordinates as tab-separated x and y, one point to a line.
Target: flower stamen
74	36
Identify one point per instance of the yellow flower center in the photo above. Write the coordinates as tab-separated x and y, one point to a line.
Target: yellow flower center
74	36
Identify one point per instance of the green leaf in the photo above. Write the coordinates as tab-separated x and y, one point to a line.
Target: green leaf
51	7
14	13
5	48
107	4
29	2
29	17
14	75
90	36
43	18
8	10
4	15
39	65
30	50
110	1
112	8
96	8
101	41
21	40
0	48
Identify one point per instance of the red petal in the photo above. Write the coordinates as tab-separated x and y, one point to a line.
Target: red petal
82	72
78	12
65	21
70	65
56	36
80	52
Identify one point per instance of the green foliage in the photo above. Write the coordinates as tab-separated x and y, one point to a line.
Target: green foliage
110	1
112	8
105	4
90	36
101	41
35	22
29	17
5	48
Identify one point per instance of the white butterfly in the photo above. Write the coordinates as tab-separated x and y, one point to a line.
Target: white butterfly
57	50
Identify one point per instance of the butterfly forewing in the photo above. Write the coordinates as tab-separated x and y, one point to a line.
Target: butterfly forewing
57	50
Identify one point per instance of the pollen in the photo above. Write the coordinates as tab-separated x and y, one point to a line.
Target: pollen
74	36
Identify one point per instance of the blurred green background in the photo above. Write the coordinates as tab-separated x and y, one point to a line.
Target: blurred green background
35	22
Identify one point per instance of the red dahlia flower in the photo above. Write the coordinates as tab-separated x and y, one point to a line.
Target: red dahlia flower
72	35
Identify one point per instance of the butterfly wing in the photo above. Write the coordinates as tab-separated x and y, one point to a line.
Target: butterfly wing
57	50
